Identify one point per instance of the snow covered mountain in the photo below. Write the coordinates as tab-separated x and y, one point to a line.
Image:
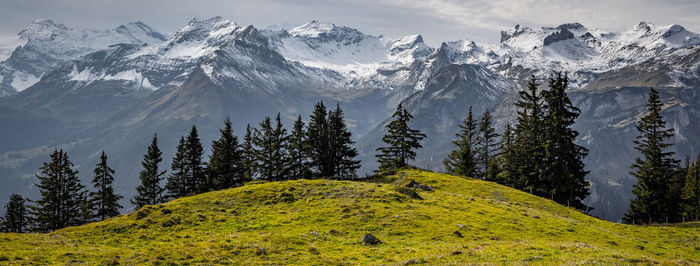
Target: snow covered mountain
87	90
583	52
45	45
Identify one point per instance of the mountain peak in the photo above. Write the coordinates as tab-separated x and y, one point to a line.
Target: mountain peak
198	29
313	29
570	26
42	29
644	26
208	22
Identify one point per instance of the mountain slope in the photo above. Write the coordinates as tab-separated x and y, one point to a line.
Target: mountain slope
322	221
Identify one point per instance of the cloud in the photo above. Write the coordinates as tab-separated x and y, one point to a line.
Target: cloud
610	15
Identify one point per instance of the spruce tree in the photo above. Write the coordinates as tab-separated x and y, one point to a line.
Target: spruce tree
15	218
224	169
654	169
104	201
280	153
63	198
341	148
528	156
264	154
674	198
563	171
462	160
691	192
196	172
178	185
401	142
298	152
318	142
487	147
150	191
508	171
248	156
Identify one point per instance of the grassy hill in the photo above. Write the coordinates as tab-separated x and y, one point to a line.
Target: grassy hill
323	221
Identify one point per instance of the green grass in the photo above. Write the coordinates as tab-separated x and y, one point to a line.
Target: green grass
322	222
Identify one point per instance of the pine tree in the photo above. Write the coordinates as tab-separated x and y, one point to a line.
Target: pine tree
529	154
248	156
507	170
487	147
193	163
341	148
224	169
150	191
264	140
63	198
318	142
691	192
298	153
401	141
104	201
564	169
280	153
462	160
15	218
674	195
654	170
177	184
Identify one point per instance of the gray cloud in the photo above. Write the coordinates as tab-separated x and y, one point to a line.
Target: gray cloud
436	20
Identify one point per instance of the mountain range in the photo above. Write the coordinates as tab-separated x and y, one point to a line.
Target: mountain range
88	90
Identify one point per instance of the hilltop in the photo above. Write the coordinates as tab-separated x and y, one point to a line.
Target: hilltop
323	221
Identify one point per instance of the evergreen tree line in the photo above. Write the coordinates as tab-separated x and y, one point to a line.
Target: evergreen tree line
321	149
537	154
64	200
666	191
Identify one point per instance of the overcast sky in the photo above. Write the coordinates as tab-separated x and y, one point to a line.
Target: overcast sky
436	20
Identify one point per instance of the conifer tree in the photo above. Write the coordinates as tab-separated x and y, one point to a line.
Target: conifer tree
248	156
178	185
341	148
272	157
150	191
298	152
196	176
674	195
224	169
401	142
563	171
487	148
104	201
462	160
264	140
529	154
691	192
654	170
280	153
15	218
508	171
63	198
318	142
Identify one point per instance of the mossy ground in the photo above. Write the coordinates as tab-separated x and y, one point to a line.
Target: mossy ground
322	222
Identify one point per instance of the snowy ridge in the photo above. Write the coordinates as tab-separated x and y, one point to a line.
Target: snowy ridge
575	48
346	50
199	38
44	45
338	55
